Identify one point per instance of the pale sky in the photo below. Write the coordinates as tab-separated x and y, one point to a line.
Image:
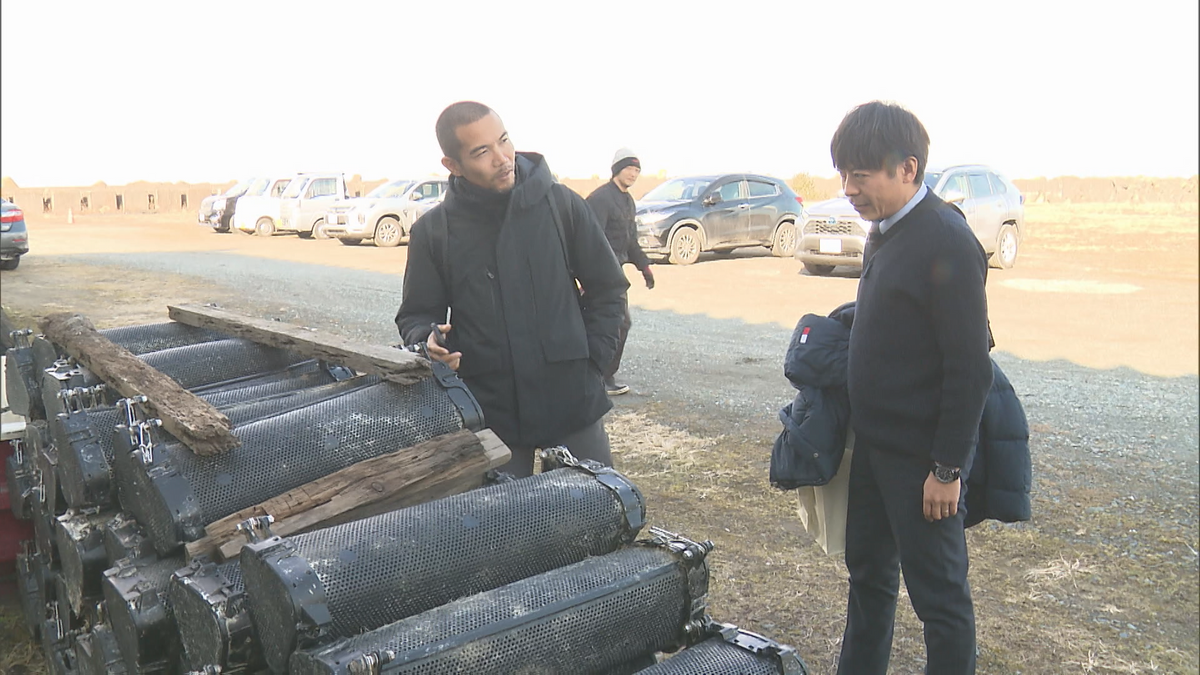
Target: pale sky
217	90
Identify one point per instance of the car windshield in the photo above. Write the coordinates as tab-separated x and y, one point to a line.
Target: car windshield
258	187
238	189
677	189
294	188
932	178
391	190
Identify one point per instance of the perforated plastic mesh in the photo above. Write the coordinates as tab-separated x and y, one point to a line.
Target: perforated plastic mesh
87	469
391	566
152	337
300	446
140	611
584	618
207	605
197	365
139	494
715	657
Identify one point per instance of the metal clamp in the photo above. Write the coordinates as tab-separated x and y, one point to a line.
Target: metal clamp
691	551
371	663
20	338
18	453
208	669
257	529
140	438
786	656
78	399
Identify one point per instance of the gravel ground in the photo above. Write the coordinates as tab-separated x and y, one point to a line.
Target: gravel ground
1107	570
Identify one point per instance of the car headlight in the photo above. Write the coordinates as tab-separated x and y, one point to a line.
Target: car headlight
652	217
362	218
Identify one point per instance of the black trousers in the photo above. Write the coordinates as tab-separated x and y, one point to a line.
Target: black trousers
626	323
590	442
886	532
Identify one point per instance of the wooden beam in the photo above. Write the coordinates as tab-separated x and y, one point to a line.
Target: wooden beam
439	467
395	365
187	417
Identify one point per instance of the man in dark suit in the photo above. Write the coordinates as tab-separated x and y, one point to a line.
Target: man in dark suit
919	374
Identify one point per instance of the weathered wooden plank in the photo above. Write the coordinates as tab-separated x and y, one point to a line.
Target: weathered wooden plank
187	417
439	467
395	365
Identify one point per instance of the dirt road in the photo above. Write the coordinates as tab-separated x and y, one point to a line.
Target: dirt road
1096	327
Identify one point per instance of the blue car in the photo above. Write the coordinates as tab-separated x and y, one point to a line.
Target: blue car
685	216
14	238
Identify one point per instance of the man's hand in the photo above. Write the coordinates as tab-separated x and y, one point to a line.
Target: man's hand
941	499
439	352
649	277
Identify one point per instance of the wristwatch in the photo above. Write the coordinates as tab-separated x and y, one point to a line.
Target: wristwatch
945	474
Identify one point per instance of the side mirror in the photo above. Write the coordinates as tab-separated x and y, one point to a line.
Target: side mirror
711	199
954	197
416	196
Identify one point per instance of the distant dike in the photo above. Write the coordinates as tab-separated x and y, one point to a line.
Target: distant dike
145	197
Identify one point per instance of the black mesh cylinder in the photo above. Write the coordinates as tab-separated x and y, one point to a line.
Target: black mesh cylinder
733	652
153	337
23	383
96	652
125	538
140	611
80	537
590	617
84	437
209	605
178	493
220	361
34	588
367	573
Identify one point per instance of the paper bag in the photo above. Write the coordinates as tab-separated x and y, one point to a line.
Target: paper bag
823	508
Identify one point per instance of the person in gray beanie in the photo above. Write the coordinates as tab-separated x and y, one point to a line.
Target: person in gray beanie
614	208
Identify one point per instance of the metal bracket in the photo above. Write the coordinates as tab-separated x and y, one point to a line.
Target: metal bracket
691	551
78	399
20	338
257	529
208	669
371	663
788	659
140	438
18	453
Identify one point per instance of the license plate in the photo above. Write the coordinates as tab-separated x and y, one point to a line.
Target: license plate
831	246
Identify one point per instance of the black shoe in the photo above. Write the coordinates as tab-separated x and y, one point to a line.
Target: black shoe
613	388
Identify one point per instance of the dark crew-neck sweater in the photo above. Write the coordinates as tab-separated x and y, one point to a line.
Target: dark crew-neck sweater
919	369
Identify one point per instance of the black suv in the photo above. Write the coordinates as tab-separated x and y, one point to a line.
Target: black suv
685	216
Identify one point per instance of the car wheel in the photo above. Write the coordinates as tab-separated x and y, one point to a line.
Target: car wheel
350	242
265	227
818	270
318	231
388	232
785	240
1008	244
10	264
685	246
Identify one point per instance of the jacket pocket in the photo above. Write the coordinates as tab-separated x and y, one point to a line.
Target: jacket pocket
478	331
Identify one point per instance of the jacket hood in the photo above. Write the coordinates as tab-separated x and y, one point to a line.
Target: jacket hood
817	354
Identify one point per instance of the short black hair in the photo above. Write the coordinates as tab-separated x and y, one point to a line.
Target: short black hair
879	135
454	116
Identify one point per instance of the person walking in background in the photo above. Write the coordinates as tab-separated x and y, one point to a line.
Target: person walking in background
505	256
918	376
614	208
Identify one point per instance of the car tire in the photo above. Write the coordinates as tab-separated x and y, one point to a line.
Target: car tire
818	270
350	242
265	227
784	244
10	264
388	232
318	231
685	246
1008	245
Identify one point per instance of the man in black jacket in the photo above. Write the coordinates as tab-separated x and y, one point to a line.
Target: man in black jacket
918	376
614	208
504	257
